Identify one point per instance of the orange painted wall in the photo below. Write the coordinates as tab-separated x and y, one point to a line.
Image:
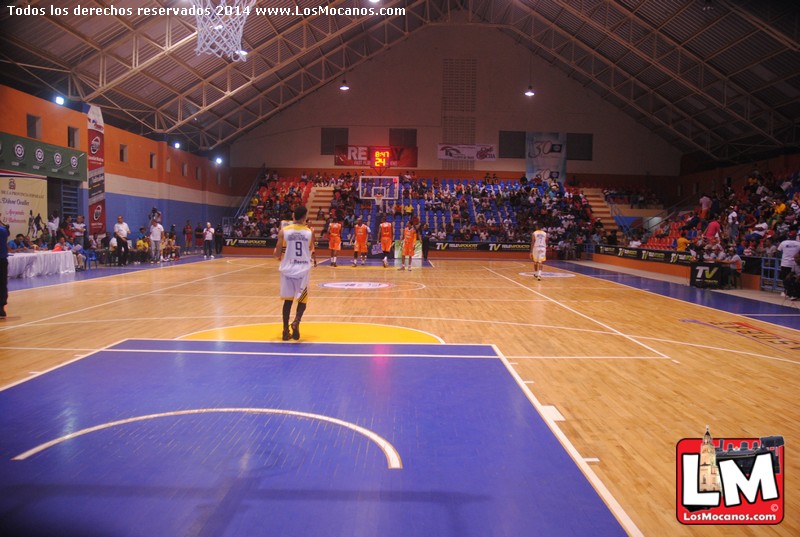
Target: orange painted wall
15	107
55	120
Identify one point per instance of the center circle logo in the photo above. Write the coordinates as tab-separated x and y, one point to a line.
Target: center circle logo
355	285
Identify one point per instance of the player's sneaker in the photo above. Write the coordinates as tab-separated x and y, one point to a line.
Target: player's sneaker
362	262
296	330
409	268
385	263
285	336
333	263
402	267
354	262
538	277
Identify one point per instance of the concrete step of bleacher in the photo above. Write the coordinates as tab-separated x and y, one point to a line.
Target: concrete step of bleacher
600	208
319	198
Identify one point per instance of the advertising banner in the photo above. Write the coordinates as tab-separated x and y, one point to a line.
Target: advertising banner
23	201
481	152
96	165
481	246
26	156
663	256
546	155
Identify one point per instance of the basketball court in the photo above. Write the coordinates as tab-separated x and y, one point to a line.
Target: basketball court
462	398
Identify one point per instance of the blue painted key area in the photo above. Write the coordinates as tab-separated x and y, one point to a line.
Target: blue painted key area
477	459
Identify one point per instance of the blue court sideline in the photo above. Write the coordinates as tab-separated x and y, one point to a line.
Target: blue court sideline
234	438
788	316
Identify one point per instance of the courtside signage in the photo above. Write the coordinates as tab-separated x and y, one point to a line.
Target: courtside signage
731	481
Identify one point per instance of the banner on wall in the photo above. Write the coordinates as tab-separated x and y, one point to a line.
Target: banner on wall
546	155
25	156
96	165
395	156
23	205
480	152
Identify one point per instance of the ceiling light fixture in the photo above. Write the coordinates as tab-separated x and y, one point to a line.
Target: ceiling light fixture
344	86
529	92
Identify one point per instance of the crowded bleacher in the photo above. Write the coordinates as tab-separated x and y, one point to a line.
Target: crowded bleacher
748	220
467	210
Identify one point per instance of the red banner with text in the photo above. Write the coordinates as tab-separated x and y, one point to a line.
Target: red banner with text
96	166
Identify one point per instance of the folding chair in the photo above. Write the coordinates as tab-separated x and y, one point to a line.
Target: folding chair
91	256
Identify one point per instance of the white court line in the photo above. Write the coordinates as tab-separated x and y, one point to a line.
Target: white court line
576	312
392	456
123	299
723	349
312	317
589	357
715	310
552	412
616	509
434	336
290	354
11	385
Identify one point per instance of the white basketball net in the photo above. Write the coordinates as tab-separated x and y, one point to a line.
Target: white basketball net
220	24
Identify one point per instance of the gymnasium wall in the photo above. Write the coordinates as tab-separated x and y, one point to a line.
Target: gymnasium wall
200	191
402	88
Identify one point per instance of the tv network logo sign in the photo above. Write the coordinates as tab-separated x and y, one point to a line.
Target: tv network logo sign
730	481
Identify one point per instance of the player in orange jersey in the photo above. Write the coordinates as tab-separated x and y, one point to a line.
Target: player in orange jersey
334	237
409	243
361	233
386	236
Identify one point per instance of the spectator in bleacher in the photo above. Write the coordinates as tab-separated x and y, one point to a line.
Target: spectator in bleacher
733	224
770	248
789	248
691	222
713	230
682	243
705	206
731	264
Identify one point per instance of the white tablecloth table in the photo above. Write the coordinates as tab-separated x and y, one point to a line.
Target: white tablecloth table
30	264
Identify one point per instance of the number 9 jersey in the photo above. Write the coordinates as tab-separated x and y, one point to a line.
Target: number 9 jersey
296	261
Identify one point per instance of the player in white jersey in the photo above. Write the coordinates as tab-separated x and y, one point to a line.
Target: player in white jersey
538	251
295	250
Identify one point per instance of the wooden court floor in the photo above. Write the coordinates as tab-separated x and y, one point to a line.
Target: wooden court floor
629	371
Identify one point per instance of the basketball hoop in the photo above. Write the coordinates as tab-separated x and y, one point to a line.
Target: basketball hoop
220	24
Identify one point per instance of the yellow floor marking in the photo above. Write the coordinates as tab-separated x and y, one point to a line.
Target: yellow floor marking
312	332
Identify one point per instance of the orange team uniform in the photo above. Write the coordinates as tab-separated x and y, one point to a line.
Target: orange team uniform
409	241
335	236
386	236
361	238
